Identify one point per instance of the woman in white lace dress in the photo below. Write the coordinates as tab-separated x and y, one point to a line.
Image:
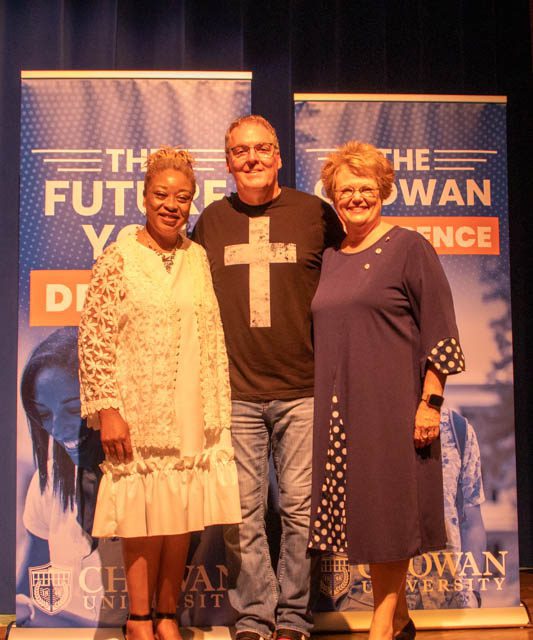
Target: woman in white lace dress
154	380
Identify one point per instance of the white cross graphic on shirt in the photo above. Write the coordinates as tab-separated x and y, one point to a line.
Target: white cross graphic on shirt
259	253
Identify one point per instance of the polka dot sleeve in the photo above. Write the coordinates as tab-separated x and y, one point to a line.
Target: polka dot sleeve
447	356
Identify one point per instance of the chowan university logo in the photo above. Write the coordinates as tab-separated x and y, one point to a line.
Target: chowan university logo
50	587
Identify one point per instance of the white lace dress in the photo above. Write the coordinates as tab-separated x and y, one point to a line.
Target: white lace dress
151	345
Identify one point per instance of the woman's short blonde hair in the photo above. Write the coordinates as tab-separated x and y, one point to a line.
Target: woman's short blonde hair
362	159
169	158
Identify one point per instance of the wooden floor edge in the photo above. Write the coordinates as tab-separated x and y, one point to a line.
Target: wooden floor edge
441	619
108	633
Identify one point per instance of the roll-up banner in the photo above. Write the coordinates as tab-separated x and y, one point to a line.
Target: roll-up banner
84	139
450	160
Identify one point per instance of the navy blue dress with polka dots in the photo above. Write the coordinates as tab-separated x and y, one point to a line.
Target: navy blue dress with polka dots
380	316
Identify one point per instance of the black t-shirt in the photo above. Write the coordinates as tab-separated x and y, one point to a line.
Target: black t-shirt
265	262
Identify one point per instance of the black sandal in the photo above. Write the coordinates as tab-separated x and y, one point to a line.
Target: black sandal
158	615
165	616
137	617
408	632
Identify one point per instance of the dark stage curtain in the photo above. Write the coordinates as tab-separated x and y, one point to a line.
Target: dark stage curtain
385	46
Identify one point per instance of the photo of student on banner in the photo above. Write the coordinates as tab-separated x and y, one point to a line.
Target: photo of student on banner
58	519
59	504
463	496
465	531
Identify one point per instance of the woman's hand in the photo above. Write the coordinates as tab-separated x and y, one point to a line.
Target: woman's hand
427	425
115	435
427	418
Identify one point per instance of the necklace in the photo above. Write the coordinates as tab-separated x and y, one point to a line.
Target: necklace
166	257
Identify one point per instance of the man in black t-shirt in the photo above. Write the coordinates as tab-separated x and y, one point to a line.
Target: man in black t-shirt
265	246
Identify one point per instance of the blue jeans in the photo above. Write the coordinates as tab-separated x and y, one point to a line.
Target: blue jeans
265	602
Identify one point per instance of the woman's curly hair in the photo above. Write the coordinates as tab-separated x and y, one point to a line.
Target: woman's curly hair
167	157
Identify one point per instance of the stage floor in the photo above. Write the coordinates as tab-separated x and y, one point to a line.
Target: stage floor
525	633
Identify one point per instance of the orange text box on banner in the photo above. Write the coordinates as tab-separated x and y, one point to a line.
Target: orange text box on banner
458	235
56	297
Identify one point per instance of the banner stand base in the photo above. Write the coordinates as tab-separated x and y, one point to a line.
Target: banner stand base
328	622
106	633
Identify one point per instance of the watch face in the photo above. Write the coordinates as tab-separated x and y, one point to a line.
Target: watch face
435	401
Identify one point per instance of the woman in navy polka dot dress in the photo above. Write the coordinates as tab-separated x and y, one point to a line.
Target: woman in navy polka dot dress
385	341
